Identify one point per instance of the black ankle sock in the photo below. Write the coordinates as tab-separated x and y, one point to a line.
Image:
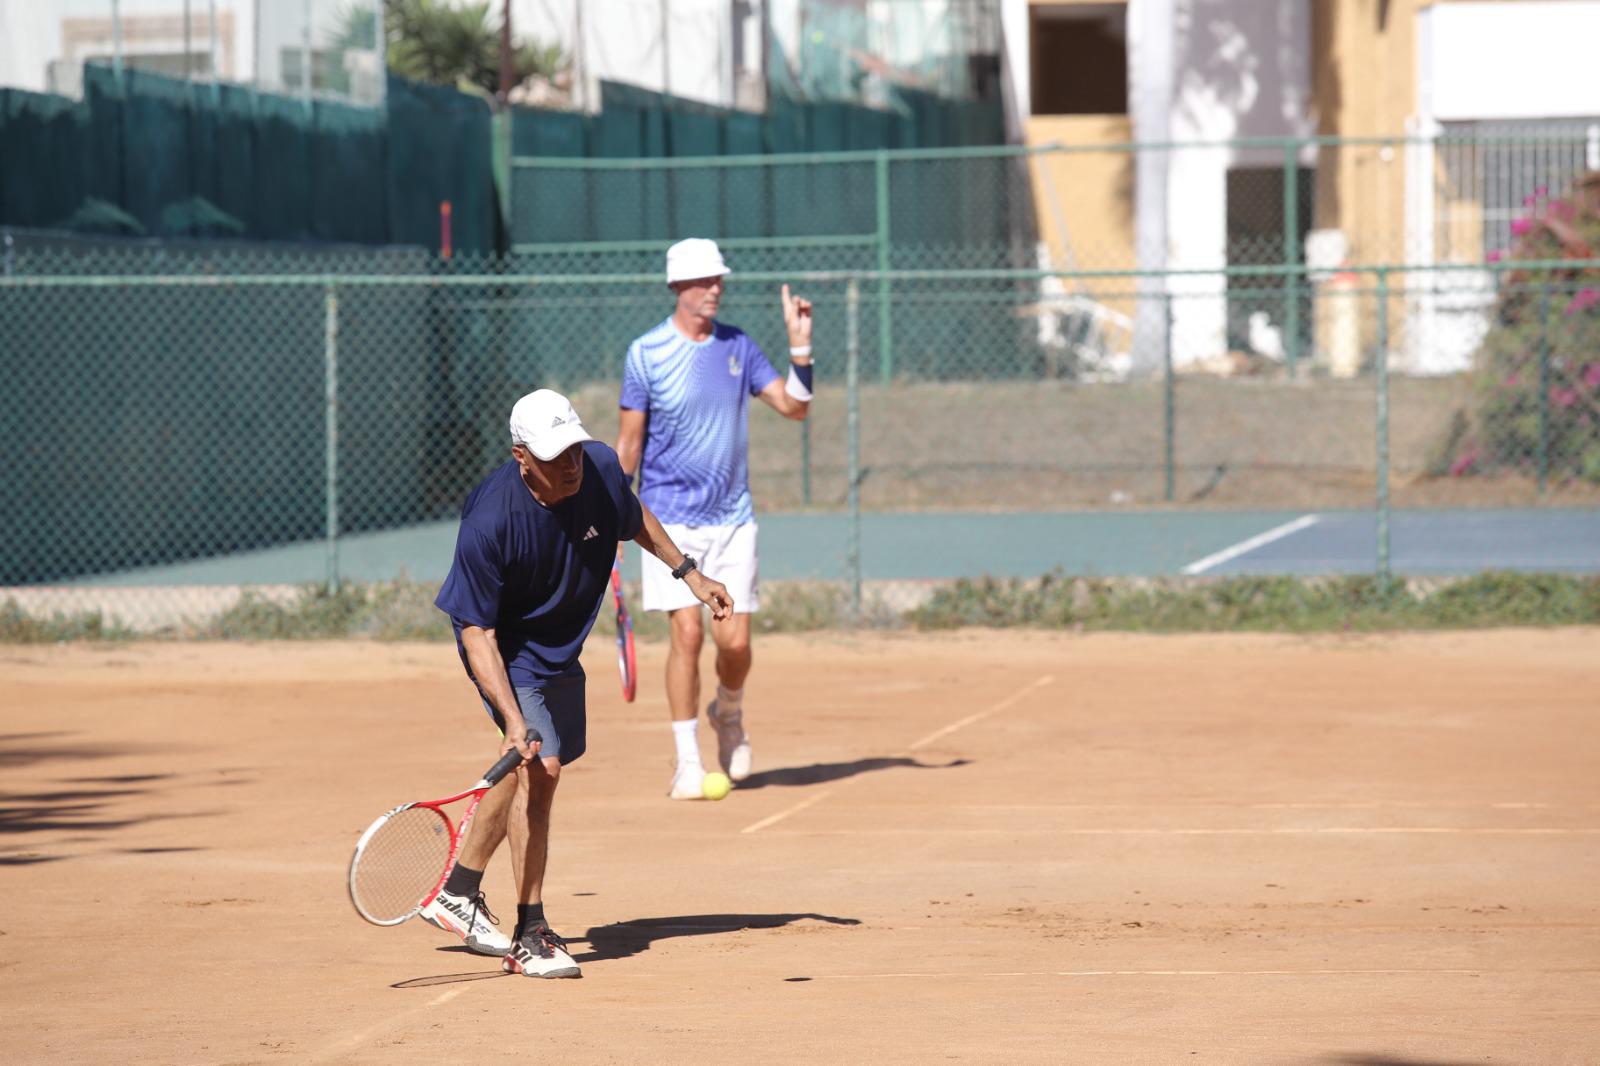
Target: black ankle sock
529	917
464	881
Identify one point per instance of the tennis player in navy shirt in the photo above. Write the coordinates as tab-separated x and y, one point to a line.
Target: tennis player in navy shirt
532	563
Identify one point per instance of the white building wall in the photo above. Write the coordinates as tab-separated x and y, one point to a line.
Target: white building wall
1517	60
1241	69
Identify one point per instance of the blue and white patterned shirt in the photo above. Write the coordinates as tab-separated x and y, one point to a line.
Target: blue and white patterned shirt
696	399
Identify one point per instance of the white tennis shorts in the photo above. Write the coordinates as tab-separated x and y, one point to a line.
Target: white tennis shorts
723	553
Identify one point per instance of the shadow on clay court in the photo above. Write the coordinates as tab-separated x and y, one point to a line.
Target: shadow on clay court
77	805
823	772
622	940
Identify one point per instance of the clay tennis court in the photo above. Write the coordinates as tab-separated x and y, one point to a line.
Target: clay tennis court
966	847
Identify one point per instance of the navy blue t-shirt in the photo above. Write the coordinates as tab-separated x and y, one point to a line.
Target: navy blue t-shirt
534	574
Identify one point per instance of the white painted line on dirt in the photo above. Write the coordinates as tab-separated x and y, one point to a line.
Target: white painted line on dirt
969	719
1290	831
781	815
345	1045
947	975
1200	566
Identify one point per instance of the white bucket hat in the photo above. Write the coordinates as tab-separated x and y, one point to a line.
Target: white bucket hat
695	258
545	423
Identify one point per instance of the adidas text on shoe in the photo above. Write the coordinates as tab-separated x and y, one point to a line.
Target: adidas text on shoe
467	917
540	953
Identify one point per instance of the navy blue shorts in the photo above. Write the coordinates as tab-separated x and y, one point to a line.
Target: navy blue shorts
556	709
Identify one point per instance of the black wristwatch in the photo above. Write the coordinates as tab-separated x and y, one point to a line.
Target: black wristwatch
684	567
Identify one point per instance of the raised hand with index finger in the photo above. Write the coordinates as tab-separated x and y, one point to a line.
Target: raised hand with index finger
797	318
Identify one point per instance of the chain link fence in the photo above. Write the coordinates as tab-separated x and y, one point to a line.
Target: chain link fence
192	423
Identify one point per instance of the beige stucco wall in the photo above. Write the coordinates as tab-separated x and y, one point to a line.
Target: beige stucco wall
1089	224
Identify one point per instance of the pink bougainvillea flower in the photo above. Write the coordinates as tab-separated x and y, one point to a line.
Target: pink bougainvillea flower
1591	375
1562	209
1496	255
1564	397
1521	226
1541	192
1585	299
1464	464
1511	380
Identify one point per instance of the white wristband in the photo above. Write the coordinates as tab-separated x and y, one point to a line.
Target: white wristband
796	388
804	349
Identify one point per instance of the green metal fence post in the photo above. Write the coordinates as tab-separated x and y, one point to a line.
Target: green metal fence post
1543	458
1291	256
852	381
1168	413
885	310
1381	366
500	161
330	372
805	463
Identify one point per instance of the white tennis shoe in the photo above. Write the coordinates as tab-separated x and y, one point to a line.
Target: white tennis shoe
688	780
733	743
540	953
469	919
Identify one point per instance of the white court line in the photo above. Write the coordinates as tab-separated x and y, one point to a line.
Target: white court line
344	1045
1039	682
781	815
947	975
969	719
1332	830
1200	566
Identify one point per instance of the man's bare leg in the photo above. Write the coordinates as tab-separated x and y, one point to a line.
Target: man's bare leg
732	637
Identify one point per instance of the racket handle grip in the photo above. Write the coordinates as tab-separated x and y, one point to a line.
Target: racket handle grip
510	760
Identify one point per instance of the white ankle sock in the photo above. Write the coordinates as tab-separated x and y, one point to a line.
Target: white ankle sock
730	701
688	746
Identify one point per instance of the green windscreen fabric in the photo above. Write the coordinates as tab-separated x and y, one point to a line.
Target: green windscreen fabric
440	149
148	155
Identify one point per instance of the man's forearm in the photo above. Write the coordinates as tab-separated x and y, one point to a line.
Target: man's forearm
653	539
489	670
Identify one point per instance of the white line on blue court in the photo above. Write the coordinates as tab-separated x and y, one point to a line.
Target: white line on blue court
1200	566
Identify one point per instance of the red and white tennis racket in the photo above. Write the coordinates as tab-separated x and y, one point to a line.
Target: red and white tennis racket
404	857
626	662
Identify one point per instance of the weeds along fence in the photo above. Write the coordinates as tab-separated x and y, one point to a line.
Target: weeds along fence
204	418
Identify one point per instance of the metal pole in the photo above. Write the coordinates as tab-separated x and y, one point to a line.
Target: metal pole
852	381
380	45
1544	388
116	40
506	73
1381	361
805	463
305	57
330	360
1167	413
666	47
214	56
1291	257
885	311
188	48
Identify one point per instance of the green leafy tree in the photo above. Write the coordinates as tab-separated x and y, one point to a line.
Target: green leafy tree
1539	364
445	44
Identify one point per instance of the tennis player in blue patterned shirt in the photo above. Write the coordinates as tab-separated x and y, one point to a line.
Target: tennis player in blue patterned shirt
686	389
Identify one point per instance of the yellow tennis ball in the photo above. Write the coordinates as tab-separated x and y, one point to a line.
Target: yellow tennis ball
715	785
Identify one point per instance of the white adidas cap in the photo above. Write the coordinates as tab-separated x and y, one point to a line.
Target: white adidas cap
695	258
545	423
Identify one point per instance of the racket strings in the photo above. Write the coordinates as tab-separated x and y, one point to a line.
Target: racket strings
401	863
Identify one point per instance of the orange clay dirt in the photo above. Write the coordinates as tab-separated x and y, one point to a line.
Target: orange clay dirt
980	847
